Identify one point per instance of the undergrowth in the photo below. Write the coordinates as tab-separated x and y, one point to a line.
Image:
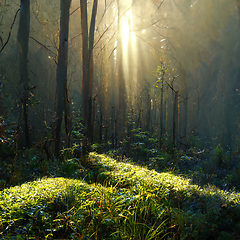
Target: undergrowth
117	200
133	192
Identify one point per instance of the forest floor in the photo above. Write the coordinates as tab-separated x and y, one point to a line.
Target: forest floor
149	195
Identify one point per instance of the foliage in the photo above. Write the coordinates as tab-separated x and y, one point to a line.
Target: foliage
220	158
117	200
80	143
7	144
151	195
139	144
58	207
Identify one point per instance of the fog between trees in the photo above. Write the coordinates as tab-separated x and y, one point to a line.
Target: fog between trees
168	67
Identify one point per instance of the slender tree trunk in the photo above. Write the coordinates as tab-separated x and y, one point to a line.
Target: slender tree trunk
68	122
175	117
185	118
140	113
113	125
161	116
1	112
101	120
91	67
87	64
22	38
148	122
106	133
166	111
1	102
85	61
62	71
121	105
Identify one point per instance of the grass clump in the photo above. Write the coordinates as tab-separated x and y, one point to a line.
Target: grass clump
64	208
194	210
99	197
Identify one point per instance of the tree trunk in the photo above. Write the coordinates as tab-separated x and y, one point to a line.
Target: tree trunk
148	122
62	71
161	116
1	102
87	64
68	122
185	119
121	105
101	120
22	38
85	61
175	117
166	111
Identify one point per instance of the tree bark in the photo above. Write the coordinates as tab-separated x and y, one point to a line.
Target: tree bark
87	64
67	110
175	117
62	71
22	38
121	95
161	112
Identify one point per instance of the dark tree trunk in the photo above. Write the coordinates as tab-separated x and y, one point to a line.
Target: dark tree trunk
62	72
68	122
100	120
185	119
1	102
161	116
121	105
22	38
87	64
148	122
139	122
166	111
175	117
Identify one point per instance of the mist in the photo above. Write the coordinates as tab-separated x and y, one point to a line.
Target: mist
170	68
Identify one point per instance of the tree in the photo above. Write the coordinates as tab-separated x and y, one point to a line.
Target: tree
22	38
121	104
62	97
87	64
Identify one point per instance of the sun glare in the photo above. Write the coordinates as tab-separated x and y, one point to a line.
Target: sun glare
126	21
128	49
128	46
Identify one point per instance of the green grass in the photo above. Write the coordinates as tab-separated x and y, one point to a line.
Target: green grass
63	208
102	198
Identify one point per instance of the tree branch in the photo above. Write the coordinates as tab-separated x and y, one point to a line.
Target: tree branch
44	47
10	31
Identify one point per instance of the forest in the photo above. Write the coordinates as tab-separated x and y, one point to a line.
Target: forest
119	119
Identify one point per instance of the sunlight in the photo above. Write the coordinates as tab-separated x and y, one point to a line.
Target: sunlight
125	30
194	3
133	36
129	54
125	41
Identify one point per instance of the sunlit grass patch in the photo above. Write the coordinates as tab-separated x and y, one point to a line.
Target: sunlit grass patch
202	207
27	200
59	207
132	174
137	174
126	201
31	207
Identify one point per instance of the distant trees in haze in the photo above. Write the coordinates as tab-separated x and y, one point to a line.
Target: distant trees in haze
110	80
23	39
